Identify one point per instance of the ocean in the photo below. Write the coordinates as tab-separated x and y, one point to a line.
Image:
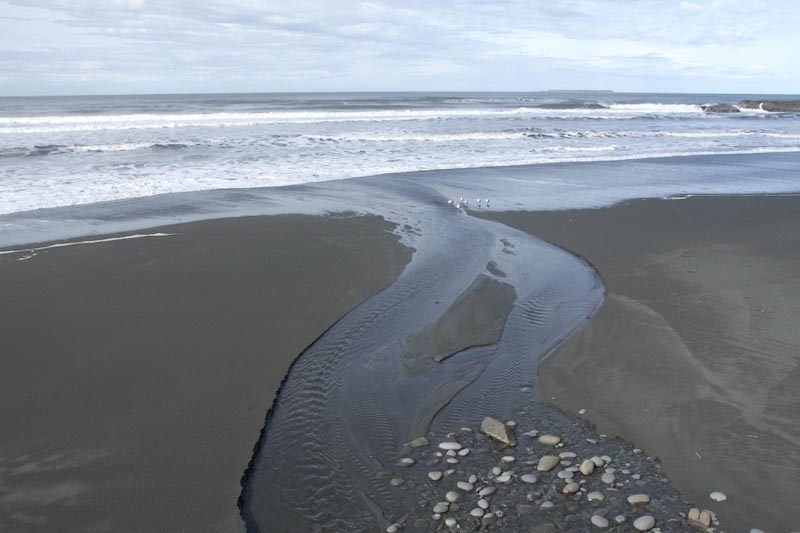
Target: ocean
66	151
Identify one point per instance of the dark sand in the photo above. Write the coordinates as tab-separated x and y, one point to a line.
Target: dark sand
135	375
695	355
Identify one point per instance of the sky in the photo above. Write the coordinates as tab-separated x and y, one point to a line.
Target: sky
180	46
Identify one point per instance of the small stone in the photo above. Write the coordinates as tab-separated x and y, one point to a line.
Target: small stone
508	459
547	505
463	452
597	461
565	474
549	440
473	479
451	523
567	455
754	530
591	441
587	467
694	514
718	496
582	412
441	507
452	461
605	458
451	496
595	496
419	442
396	482
496	471
547	463
483	504
466	487
705	518
528	478
407	461
511	424
619	519
644	523
498	431
394	528
454	446
638	499
532	433
477	512
487	491
571	488
436	516
504	478
608	478
435	475
599	522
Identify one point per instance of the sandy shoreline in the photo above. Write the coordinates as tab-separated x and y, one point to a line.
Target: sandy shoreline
695	354
135	375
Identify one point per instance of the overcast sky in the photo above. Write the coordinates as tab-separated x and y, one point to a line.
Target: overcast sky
158	46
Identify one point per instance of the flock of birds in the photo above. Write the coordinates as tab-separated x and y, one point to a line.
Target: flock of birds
461	202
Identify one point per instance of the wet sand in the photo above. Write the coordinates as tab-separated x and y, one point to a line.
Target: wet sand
135	375
695	354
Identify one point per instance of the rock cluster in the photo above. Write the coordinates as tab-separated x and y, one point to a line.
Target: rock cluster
504	485
774	106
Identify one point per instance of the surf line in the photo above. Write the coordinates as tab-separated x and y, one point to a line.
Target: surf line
97	241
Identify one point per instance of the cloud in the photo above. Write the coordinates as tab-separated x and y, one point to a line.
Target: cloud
91	46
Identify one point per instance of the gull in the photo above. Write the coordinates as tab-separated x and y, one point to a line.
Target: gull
458	206
449	202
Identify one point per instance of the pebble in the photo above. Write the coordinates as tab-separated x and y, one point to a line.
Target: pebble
718	496
565	474
547	463
644	523
549	440
463	452
498	431
547	505
473	479
599	521
441	507
487	491
567	455
511	424
619	519
419	442
435	475
396	482
608	478
508	459
638	499
532	433
587	467
451	523
582	412
483	504
528	478
407	461
571	488
595	496
477	512
597	461
452	461
466	487
756	531
451	496
450	446
505	478
605	458
394	528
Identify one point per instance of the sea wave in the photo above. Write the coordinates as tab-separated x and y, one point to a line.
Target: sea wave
68	123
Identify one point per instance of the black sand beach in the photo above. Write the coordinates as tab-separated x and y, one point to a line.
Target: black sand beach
135	375
695	354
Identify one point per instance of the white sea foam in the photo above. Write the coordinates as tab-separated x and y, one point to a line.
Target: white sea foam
32	251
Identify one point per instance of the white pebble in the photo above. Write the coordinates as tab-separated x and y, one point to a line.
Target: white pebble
528	478
599	521
463	452
466	487
487	491
595	496
441	507
450	446
505	478
451	496
644	523
435	475
718	496
483	504
477	512
508	459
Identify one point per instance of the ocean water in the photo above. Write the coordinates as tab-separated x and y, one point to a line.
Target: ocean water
64	151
